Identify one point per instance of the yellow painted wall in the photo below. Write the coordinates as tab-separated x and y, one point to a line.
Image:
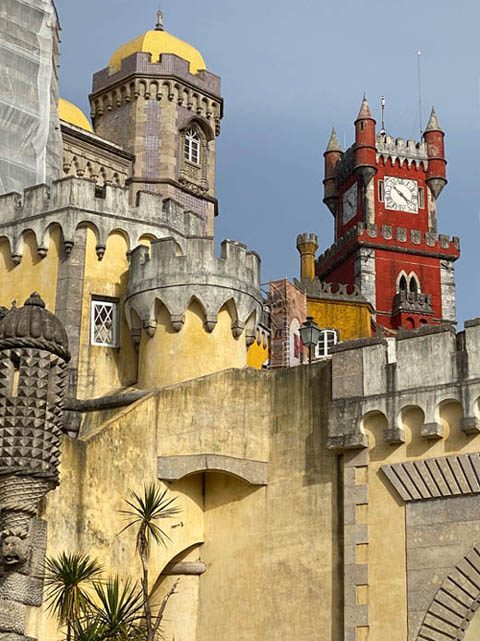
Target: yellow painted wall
34	273
387	574
353	320
171	357
283	535
104	370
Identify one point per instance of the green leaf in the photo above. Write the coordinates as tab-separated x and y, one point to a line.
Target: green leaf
67	578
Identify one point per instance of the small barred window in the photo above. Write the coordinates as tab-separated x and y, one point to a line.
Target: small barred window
328	338
104	328
192	146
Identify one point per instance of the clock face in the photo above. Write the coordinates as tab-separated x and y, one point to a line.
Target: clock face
401	194
350	200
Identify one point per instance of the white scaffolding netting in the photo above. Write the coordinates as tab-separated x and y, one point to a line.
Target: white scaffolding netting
30	139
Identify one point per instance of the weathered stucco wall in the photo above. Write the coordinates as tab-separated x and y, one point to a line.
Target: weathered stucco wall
267	548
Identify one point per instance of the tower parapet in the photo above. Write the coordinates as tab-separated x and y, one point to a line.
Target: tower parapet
164	283
71	202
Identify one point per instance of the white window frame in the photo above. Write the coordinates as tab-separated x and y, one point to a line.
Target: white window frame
192	146
323	350
106	303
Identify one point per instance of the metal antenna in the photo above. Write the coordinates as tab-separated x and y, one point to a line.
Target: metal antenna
419	55
383	131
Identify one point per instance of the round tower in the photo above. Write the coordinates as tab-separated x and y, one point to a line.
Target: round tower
195	314
332	155
365	164
436	172
307	245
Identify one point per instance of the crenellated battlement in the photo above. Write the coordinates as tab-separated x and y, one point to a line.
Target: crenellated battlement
72	202
175	272
396	237
415	153
330	291
421	368
168	79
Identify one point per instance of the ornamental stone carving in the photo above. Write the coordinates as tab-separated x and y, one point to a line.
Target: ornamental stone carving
33	358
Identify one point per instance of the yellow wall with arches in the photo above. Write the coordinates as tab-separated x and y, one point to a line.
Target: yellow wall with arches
171	357
385	513
34	273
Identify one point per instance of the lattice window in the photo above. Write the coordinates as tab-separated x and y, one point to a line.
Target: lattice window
192	146
104	323
328	338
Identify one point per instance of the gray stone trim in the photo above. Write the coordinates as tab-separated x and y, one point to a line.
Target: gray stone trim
69	301
455	602
355	574
185	568
435	477
173	468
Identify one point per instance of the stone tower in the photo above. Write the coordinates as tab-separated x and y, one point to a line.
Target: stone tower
383	195
33	358
157	101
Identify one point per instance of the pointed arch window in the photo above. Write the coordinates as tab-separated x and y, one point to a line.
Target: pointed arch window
402	285
191	148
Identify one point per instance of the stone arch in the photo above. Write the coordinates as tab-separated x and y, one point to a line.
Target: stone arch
402	281
199	123
455	602
414	283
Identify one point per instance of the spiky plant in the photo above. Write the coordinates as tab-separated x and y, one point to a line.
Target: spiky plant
118	609
67	578
144	513
88	628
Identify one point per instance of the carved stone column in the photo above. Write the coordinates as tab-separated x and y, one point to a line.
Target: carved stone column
33	358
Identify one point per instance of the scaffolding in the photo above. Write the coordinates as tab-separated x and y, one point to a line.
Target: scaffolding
280	325
30	140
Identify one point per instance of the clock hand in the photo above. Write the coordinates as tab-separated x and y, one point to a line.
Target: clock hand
400	194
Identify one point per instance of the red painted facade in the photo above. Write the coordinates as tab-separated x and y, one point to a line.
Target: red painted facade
388	245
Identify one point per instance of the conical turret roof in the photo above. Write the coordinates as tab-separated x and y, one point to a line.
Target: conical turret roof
364	112
333	144
433	124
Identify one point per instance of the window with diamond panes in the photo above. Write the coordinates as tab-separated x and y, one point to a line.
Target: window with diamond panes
104	323
328	338
192	146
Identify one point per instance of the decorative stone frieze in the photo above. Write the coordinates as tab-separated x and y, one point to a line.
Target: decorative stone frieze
414	302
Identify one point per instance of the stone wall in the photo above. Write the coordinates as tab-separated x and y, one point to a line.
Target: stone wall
259	509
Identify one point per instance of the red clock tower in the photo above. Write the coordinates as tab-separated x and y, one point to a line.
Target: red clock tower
383	195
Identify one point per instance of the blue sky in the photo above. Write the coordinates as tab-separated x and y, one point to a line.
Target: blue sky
289	72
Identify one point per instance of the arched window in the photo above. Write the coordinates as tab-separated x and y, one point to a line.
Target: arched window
413	285
192	146
402	285
328	338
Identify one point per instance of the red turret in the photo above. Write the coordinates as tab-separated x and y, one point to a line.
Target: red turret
332	155
365	144
436	172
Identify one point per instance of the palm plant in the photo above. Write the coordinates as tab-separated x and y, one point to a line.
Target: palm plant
66	580
119	611
144	513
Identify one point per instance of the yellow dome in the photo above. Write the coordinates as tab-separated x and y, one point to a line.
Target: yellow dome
158	42
71	113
